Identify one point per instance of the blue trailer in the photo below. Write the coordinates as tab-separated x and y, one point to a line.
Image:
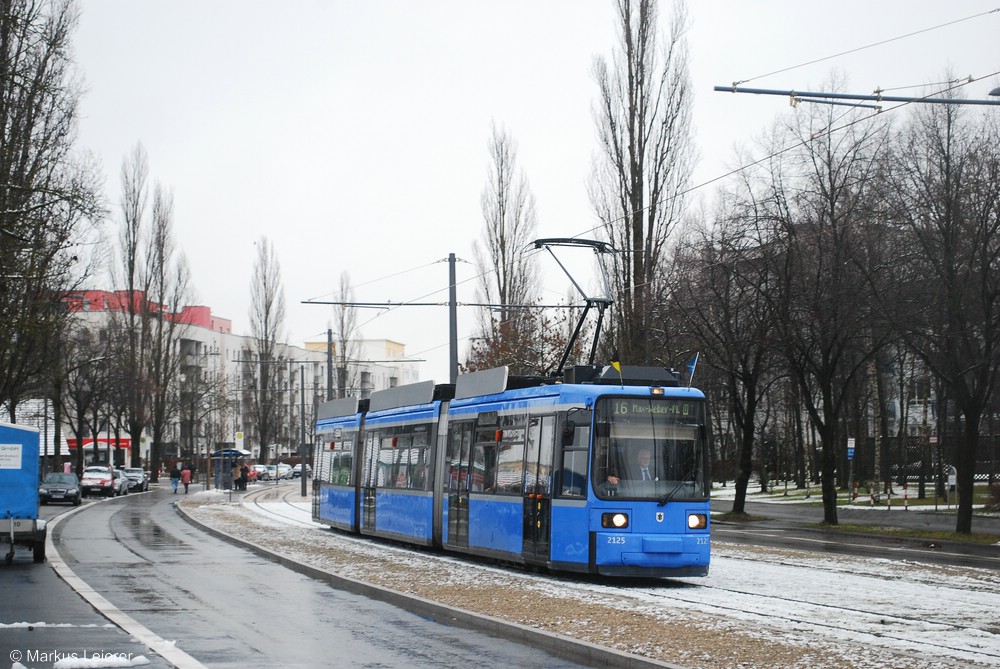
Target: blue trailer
19	477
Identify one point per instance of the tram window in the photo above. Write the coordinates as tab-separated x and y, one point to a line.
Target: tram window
510	461
482	474
533	481
418	469
573	475
400	474
342	469
323	465
457	458
538	455
575	442
370	472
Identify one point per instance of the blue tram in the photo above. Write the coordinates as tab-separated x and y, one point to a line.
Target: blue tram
604	472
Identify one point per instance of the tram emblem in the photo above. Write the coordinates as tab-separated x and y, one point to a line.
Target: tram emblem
659	516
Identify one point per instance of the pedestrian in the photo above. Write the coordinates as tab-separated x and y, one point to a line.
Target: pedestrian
175	477
244	476
186	478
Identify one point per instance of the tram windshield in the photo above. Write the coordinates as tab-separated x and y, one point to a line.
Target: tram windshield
650	448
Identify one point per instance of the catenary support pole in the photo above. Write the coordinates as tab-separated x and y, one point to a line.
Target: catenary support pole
303	449
452	321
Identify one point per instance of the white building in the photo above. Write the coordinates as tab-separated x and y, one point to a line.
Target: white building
219	370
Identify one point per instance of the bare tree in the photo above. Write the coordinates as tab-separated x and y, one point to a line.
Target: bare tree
346	323
81	385
944	190
168	292
47	195
508	332
267	322
721	286
645	160
156	286
823	296
134	324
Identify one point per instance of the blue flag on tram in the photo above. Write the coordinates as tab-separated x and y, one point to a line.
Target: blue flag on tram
691	367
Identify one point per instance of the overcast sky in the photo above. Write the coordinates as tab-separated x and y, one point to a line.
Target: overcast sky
354	134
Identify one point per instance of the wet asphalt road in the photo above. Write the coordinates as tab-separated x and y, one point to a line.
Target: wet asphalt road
43	620
222	605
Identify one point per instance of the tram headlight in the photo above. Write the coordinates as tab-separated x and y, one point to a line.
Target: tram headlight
616	520
697	521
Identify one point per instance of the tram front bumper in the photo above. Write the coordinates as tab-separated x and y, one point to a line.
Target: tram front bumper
679	555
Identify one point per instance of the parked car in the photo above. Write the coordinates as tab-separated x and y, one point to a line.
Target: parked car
98	480
284	471
121	483
297	471
260	473
59	487
137	480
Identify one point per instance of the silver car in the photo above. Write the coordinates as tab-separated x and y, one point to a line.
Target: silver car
121	483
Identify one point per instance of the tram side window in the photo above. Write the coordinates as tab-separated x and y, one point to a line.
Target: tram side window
343	468
574	473
418	469
416	473
324	462
482	469
389	460
510	456
575	449
457	459
371	472
342	463
538	455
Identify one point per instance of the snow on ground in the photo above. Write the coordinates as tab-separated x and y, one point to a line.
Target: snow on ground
861	611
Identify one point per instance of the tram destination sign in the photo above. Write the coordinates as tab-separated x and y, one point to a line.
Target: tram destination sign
627	406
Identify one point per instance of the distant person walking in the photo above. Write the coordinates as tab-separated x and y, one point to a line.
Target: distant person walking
175	477
244	477
186	479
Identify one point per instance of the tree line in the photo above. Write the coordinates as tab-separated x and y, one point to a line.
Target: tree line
855	247
854	250
130	374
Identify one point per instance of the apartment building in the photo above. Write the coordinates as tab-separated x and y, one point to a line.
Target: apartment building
219	372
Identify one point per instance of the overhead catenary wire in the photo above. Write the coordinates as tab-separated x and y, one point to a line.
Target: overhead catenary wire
387	307
793	145
736	83
862	48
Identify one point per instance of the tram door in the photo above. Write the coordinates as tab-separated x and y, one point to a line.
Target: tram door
369	481
537	489
460	473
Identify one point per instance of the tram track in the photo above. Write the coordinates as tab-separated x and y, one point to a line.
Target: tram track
922	634
864	621
280	493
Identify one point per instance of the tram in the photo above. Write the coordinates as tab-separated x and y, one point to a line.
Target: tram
603	470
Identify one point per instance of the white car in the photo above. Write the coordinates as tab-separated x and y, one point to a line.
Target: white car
98	480
284	471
